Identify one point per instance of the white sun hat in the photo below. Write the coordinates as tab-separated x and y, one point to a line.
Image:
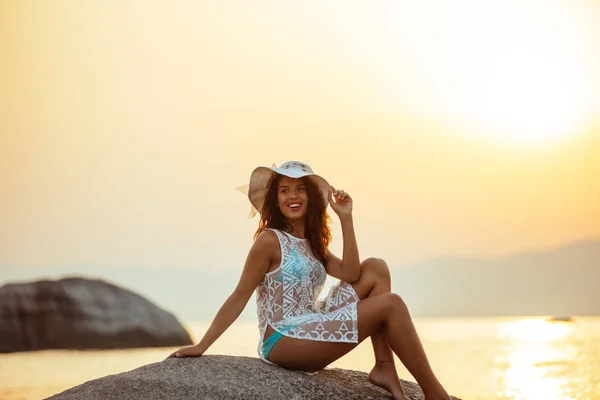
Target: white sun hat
260	177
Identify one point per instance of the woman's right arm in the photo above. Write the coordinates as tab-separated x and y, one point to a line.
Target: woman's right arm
257	264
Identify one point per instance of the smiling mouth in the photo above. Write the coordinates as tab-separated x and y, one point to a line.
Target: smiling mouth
295	206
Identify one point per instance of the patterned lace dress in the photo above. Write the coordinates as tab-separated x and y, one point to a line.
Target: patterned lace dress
287	298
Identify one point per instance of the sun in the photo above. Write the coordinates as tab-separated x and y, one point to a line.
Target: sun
521	107
523	91
507	72
514	75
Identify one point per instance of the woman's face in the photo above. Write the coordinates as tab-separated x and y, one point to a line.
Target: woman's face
292	198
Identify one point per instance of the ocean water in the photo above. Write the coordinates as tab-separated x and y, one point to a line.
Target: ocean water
475	359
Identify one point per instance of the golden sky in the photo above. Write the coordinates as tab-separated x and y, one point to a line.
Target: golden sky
459	128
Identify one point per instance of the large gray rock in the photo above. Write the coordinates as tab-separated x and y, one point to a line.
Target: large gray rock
227	377
77	313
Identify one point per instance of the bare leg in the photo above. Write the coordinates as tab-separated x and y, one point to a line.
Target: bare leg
375	280
409	349
386	311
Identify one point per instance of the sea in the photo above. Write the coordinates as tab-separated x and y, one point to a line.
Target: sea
517	358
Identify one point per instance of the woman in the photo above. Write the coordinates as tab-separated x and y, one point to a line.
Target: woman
287	266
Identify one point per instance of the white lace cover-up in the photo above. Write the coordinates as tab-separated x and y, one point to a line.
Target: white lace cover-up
287	298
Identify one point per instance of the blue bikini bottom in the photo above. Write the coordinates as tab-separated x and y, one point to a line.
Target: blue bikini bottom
271	340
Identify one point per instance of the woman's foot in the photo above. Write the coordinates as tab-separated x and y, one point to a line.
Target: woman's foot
438	396
438	393
385	376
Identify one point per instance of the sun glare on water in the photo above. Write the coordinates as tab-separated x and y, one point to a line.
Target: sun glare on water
534	361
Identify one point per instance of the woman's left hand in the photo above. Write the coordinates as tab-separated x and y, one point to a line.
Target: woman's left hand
342	204
187	351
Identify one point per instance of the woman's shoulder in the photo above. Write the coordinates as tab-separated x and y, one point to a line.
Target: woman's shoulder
274	233
267	240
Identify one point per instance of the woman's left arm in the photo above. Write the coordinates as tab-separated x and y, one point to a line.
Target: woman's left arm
348	268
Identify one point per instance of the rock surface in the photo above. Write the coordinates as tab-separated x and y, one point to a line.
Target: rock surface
228	377
76	313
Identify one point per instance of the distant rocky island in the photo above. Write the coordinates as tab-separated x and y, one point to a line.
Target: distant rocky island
228	377
560	282
77	313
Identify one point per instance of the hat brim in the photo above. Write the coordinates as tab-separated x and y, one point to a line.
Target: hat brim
260	177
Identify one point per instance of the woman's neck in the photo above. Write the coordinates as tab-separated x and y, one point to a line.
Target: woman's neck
295	228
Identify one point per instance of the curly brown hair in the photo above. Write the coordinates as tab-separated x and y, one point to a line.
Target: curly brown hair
316	229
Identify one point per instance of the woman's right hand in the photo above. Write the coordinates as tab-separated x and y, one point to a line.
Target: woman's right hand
187	351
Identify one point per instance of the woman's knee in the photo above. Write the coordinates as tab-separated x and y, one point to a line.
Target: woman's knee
376	312
377	267
394	304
